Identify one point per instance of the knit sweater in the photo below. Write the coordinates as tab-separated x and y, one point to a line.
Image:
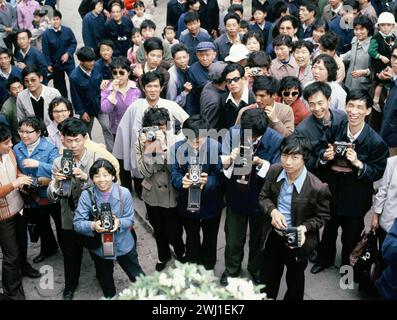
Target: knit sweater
11	201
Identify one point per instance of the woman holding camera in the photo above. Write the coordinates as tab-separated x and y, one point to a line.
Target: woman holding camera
120	92
157	191
35	155
106	191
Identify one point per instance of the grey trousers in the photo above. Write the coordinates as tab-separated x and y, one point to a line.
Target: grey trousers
103	120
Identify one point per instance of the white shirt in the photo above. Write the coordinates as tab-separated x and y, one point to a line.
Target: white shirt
353	137
244	96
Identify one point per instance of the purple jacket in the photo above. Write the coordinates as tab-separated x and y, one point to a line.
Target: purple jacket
117	110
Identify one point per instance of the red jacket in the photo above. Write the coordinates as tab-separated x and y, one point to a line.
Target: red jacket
129	4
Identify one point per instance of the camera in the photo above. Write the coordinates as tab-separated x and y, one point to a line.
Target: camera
106	216
150	133
340	147
194	196
29	192
65	189
256	71
291	236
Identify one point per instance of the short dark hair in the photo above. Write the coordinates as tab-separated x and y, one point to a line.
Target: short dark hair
282	40
139	4
102	163
106	42
294	21
94	3
167	27
256	120
178	47
231	16
330	65
11	81
147	23
57	13
315	87
362	95
5	51
290	82
5	132
303	44
120	63
244	24
36	123
195	123
364	21
320	23
72	127
259	59
31	68
296	144
254	34
236	7
153	44
190	17
152	76
155	117
278	8
233	67
329	41
27	31
310	6
267	83
86	54
255	9
57	101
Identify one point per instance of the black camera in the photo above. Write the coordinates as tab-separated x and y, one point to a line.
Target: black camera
30	192
107	220
291	236
340	147
194	196
65	189
150	133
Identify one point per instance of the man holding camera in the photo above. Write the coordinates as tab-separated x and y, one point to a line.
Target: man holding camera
296	205
74	134
356	156
242	192
195	173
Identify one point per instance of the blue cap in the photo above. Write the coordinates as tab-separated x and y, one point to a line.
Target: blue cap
205	45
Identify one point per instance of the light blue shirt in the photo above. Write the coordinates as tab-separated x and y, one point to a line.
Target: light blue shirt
285	197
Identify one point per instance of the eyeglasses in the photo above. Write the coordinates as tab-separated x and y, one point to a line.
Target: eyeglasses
60	111
21	132
290	93
118	72
235	79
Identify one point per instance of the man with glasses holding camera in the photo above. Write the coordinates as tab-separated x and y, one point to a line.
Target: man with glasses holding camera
296	205
74	135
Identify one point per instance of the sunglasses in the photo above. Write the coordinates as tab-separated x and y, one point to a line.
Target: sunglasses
235	79
119	72
290	93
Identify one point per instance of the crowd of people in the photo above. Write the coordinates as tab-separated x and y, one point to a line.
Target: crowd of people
283	116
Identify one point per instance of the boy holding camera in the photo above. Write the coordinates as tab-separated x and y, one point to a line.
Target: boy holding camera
195	173
296	205
74	135
356	156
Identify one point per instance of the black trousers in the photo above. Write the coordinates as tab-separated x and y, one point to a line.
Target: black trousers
22	238
351	232
59	78
197	251
167	226
11	270
104	270
48	242
125	176
276	255
72	256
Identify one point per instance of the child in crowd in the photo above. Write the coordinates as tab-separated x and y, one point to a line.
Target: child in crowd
380	51
140	14
244	27
169	35
136	39
320	27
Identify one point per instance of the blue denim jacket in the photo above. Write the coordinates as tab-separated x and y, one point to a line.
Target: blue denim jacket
124	242
45	153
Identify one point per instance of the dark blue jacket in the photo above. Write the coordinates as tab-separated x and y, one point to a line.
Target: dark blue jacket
388	130
93	29
104	69
265	31
55	44
245	201
345	35
120	34
198	78
85	91
4	95
387	282
211	194
352	192
174	10
34	56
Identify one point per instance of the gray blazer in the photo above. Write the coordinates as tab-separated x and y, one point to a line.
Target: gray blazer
24	104
327	14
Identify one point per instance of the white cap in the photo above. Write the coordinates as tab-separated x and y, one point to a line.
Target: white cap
386	17
237	53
